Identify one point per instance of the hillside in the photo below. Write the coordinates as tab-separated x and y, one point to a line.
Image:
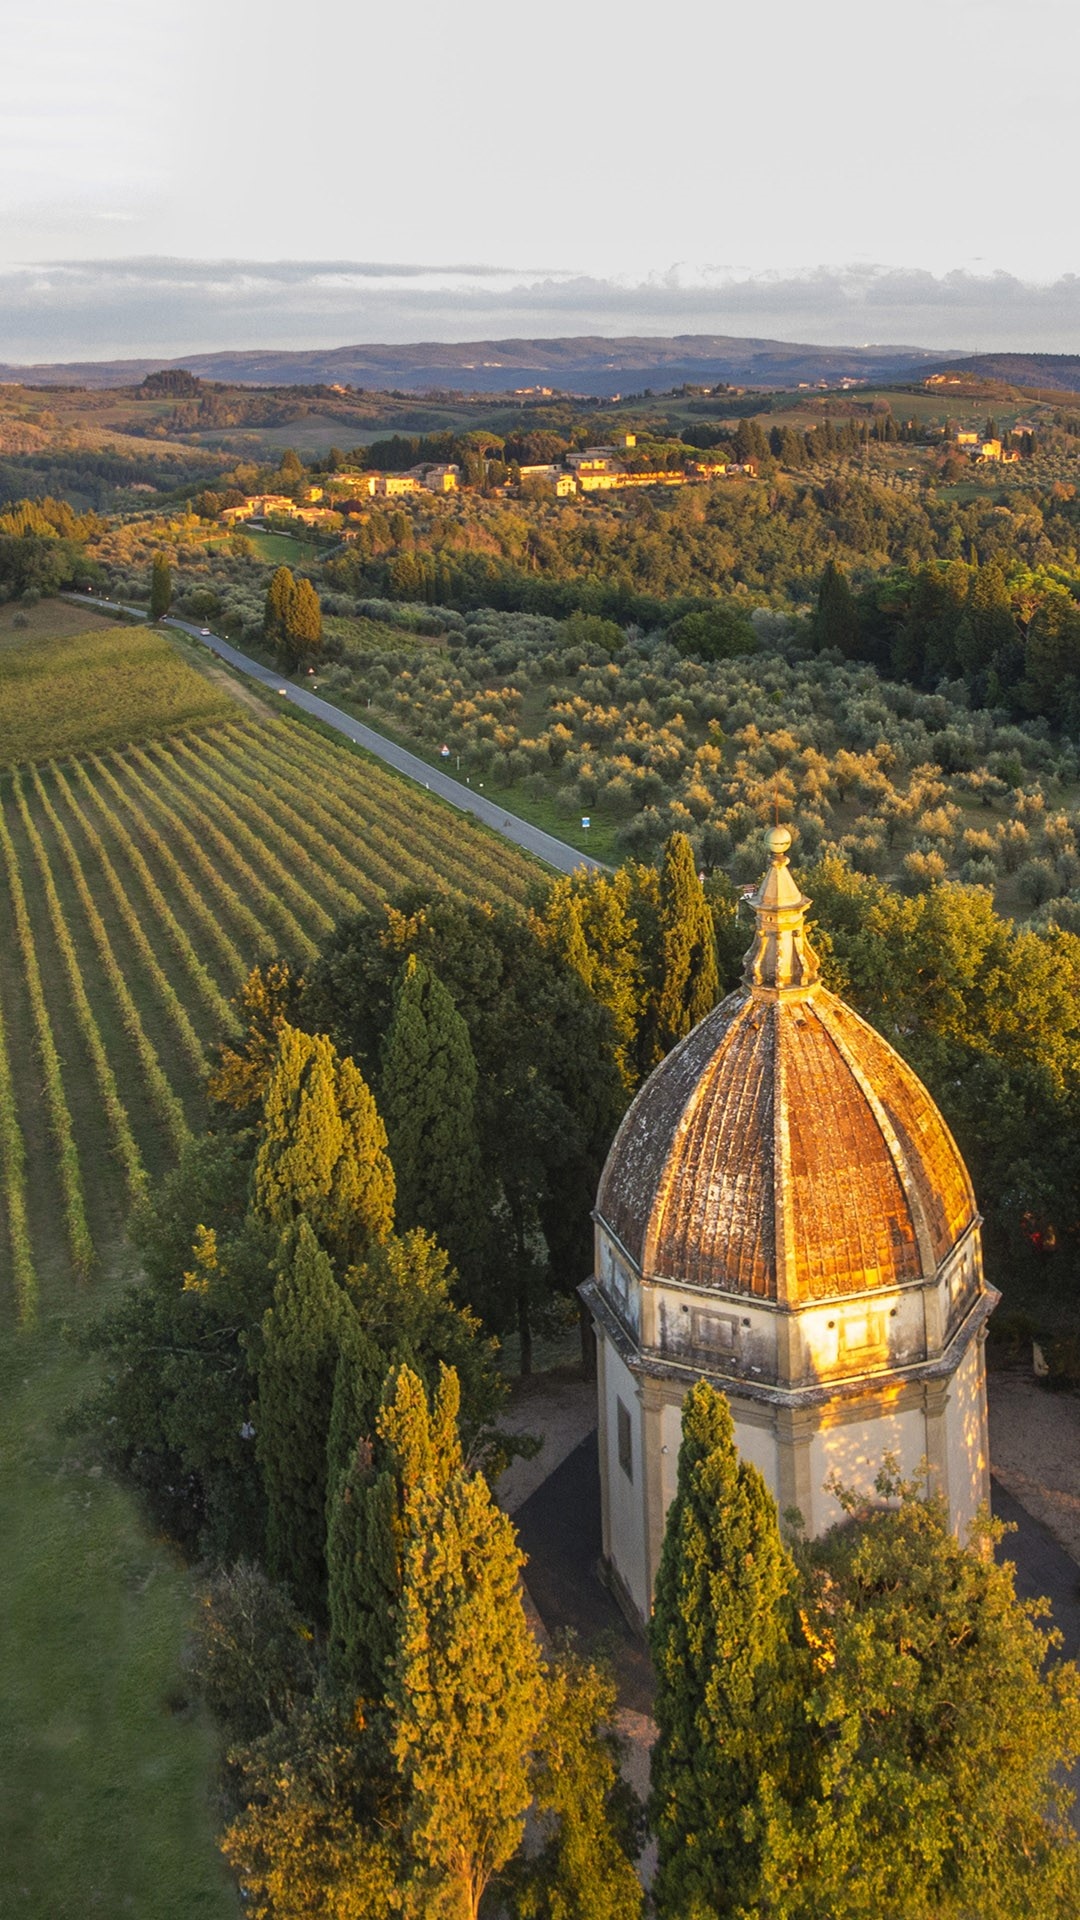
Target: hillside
1053	372
601	366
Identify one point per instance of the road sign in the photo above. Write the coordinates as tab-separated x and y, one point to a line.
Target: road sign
585	821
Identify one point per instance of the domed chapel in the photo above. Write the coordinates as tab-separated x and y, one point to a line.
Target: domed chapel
785	1213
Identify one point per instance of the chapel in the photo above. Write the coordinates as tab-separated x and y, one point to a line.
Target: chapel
785	1213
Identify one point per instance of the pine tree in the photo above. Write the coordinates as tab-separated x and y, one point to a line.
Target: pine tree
160	586
466	1698
301	1339
689	976
322	1148
427	1096
279	599
265	1002
719	1636
836	619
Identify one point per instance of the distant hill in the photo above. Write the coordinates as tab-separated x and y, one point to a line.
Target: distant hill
580	366
1056	372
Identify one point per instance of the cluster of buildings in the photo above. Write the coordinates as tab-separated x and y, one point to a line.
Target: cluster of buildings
602	470
592	470
987	451
310	509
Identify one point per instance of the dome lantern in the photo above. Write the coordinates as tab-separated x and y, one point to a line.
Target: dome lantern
781	959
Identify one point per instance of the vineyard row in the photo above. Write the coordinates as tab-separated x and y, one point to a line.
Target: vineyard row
141	884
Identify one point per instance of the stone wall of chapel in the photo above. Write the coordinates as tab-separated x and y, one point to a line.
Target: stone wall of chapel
623	1477
967	1442
855	1450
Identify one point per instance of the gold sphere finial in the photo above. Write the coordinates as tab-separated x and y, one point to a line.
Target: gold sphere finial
778	842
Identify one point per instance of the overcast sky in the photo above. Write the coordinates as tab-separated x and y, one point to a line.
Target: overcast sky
613	142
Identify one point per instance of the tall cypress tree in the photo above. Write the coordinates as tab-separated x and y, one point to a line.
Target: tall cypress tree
322	1148
363	1578
427	1096
361	1512
160	586
414	1441
303	623
720	1640
836	618
301	1338
688	982
279	598
467	1696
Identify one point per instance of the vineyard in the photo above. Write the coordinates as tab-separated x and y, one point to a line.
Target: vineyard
139	885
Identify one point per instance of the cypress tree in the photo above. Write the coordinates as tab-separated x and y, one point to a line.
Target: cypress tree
466	1697
428	1100
720	1636
301	1338
279	601
689	976
358	1383
322	1148
360	1515
363	1580
836	619
413	1441
303	622
160	586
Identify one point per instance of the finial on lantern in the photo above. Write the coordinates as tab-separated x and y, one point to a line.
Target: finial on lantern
781	957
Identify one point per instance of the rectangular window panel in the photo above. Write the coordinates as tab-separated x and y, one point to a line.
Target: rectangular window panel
626	1457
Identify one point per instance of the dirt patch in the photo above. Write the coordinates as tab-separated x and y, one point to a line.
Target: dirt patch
48	620
559	1408
1035	1451
240	690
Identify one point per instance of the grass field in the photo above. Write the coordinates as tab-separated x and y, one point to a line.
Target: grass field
105	1767
67	683
284	549
140	878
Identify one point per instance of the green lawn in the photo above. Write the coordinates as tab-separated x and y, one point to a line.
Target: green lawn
104	1764
284	549
97	686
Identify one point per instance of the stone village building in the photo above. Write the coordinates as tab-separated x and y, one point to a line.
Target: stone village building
785	1213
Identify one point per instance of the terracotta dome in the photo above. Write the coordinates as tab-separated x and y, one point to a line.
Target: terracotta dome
784	1150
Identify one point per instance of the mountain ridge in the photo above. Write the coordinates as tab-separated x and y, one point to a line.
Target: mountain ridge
578	364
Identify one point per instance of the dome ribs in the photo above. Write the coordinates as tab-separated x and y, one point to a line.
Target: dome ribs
785	1152
932	1159
852	1226
711	1218
636	1166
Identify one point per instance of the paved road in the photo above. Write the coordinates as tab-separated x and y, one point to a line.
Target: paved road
555	853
